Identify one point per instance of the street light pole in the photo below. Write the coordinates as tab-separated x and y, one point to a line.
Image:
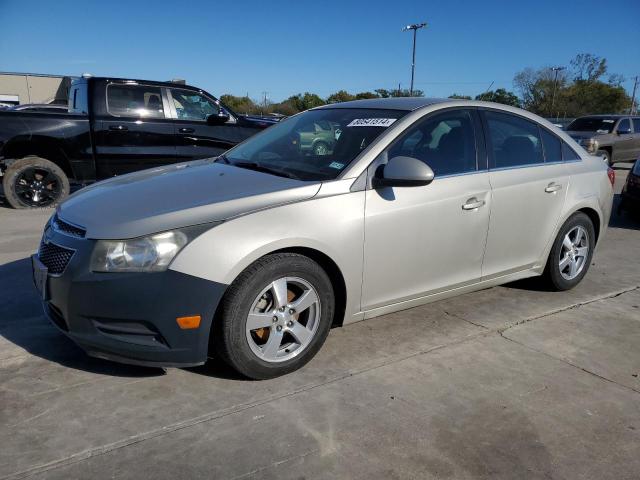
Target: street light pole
555	86
415	27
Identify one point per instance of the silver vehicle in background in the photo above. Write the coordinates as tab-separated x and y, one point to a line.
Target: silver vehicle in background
251	257
614	138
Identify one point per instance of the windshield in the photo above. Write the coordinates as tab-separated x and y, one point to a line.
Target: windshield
315	145
592	124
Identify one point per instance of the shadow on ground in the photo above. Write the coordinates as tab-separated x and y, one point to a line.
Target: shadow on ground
23	324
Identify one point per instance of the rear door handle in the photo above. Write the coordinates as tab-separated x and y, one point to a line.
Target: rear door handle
119	128
186	130
553	187
473	203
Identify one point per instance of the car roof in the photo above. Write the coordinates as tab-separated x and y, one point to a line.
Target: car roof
140	81
393	103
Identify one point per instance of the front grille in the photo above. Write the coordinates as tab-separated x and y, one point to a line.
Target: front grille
67	228
54	257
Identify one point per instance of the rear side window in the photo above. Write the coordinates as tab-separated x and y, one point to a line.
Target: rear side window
445	142
636	125
568	153
134	101
78	99
552	146
515	141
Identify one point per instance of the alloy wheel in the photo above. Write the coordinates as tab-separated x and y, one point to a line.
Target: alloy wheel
283	319
574	253
37	187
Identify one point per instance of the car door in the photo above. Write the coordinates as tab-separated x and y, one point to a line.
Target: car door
196	138
421	240
135	132
527	192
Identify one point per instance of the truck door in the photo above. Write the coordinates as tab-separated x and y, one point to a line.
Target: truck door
195	137
135	132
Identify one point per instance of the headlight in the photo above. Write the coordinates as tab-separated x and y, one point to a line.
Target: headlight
590	144
153	253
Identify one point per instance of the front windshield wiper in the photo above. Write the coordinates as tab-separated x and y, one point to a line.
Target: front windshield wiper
258	167
222	159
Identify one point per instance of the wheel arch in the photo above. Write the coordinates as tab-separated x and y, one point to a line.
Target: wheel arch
42	147
594	216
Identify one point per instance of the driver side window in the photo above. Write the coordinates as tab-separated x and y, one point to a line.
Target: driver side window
445	142
193	106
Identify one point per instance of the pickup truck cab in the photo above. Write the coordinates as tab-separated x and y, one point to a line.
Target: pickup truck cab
615	138
113	126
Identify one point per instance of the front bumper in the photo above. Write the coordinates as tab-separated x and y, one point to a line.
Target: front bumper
130	317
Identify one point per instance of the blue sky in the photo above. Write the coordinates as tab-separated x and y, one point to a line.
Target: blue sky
286	47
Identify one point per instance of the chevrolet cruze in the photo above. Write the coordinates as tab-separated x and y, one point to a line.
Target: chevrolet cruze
252	256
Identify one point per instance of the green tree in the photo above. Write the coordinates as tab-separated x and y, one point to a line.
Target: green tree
365	95
340	96
500	96
306	101
240	104
456	96
582	92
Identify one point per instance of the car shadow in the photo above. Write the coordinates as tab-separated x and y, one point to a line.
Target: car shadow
23	324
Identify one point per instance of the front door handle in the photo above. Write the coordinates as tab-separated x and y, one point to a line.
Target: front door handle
473	203
186	130
553	187
119	128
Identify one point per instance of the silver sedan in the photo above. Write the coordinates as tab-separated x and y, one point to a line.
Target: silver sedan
253	256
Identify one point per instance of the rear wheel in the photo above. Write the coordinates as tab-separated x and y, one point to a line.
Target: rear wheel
571	253
34	182
275	316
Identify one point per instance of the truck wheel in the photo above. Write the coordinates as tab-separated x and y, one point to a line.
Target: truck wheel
275	316
34	182
606	157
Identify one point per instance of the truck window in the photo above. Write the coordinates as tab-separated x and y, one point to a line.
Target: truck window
78	101
193	106
134	101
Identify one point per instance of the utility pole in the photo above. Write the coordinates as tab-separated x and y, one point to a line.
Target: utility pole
415	27
633	96
264	101
555	86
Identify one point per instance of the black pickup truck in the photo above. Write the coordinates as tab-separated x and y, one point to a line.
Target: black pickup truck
113	126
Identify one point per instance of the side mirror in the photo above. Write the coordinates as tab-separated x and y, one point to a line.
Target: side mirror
403	172
217	119
626	131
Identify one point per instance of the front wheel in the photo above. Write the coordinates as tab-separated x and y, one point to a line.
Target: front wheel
571	253
34	182
275	316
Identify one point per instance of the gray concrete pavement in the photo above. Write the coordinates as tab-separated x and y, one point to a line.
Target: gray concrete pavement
510	382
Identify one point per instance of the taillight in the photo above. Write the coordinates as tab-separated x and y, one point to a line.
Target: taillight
611	173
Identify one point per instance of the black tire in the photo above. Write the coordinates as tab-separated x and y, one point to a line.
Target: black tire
229	338
606	157
320	148
553	277
34	182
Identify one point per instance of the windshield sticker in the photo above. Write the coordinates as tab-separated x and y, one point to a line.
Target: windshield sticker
336	165
371	122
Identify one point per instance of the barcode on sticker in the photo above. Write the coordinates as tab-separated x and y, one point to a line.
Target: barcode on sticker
371	122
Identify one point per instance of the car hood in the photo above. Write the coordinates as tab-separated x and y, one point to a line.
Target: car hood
584	135
177	196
